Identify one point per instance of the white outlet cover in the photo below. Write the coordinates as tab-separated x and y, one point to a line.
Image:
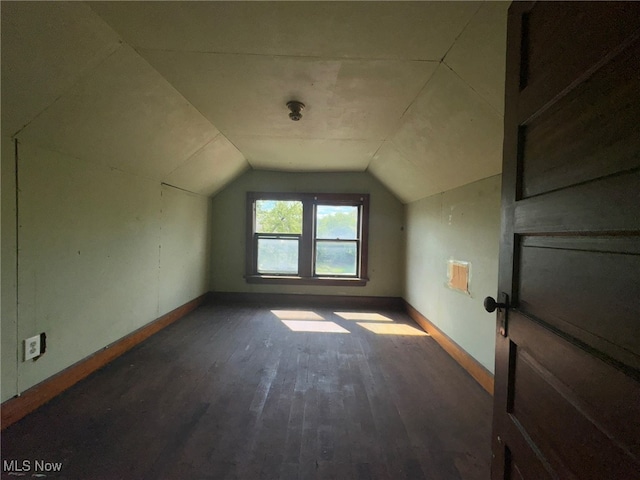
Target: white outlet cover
31	347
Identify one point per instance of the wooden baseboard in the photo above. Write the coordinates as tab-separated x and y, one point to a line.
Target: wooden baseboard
483	376
16	408
305	300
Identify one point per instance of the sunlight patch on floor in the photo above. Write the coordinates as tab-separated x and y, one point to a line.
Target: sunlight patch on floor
314	326
364	316
393	329
296	315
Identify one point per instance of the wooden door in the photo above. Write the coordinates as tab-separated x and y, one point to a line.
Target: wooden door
567	384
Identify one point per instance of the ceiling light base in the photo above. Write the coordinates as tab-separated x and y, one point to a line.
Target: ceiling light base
296	108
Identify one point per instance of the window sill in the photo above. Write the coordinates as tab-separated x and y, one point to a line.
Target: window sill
327	281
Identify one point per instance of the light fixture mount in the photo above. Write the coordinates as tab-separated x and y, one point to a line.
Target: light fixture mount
295	108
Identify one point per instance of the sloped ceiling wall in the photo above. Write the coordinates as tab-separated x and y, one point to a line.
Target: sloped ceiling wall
70	84
193	93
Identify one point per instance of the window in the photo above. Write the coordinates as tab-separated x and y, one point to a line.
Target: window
307	238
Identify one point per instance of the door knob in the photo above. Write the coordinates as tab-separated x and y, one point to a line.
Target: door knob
490	304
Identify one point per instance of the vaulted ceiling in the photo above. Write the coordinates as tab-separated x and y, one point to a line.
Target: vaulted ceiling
194	93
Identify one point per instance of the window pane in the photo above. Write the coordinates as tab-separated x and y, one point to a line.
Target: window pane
336	258
278	216
335	222
278	256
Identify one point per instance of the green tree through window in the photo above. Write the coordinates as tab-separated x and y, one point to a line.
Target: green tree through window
277	216
338	225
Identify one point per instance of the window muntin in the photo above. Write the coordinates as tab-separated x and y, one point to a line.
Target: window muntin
307	238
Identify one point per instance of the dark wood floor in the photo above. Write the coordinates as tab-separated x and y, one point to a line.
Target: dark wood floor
232	392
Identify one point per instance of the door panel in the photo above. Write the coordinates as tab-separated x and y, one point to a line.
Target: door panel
559	401
555	27
550	32
557	153
567	395
590	272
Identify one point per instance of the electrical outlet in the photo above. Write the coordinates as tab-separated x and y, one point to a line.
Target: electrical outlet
32	347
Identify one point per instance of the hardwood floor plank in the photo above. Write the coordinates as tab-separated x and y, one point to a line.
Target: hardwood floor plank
232	392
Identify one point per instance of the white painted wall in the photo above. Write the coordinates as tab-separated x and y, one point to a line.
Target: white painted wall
386	237
459	224
101	253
